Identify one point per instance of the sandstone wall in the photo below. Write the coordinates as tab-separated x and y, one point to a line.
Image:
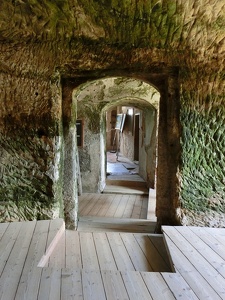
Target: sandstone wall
80	39
30	148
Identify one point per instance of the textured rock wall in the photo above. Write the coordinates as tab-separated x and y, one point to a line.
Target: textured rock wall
77	36
30	160
203	167
95	96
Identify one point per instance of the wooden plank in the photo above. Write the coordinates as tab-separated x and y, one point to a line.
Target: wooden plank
157	286
179	287
91	204
158	241
14	266
73	255
93	288
30	278
104	253
215	244
3	228
137	207
102	198
92	224
88	251
153	256
58	256
114	285
217	233
129	207
201	264
135	190
144	208
209	254
121	207
105	206
113	206
136	254
190	273
135	286
50	284
7	242
56	230
84	201
120	253
71	285
151	214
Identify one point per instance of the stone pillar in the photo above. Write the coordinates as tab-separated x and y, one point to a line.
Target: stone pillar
168	154
70	188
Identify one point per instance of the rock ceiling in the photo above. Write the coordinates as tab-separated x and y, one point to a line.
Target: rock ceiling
38	37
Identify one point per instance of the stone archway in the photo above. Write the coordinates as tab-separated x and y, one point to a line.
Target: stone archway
168	132
149	135
93	98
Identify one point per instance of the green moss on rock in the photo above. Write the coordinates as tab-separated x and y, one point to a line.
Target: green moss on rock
203	160
25	172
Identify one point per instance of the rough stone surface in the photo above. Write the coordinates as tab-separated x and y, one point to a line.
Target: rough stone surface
43	40
95	97
203	219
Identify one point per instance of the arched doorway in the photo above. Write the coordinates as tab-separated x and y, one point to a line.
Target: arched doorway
98	97
168	133
92	100
144	139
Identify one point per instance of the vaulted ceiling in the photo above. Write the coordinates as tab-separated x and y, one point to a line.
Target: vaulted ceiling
87	34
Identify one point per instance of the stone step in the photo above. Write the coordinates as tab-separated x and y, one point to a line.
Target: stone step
126	183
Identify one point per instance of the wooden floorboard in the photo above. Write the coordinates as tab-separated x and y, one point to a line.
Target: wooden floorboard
30	278
104	252
157	286
156	261
109	265
121	256
214	259
114	205
207	271
114	285
93	287
51	285
71	284
11	274
192	276
105	206
91	224
108	251
73	251
179	287
135	286
193	265
7	242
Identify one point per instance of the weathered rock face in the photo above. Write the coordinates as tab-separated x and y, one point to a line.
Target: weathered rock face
95	97
43	41
30	149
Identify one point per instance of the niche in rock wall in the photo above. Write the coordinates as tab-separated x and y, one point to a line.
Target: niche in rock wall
79	126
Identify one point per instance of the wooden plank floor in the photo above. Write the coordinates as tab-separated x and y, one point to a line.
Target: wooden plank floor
115	212
109	265
22	245
90	224
111	251
113	205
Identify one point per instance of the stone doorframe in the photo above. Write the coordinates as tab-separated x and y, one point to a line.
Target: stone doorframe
149	145
169	133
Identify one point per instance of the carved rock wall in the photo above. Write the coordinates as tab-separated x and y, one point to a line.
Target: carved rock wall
30	149
39	39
